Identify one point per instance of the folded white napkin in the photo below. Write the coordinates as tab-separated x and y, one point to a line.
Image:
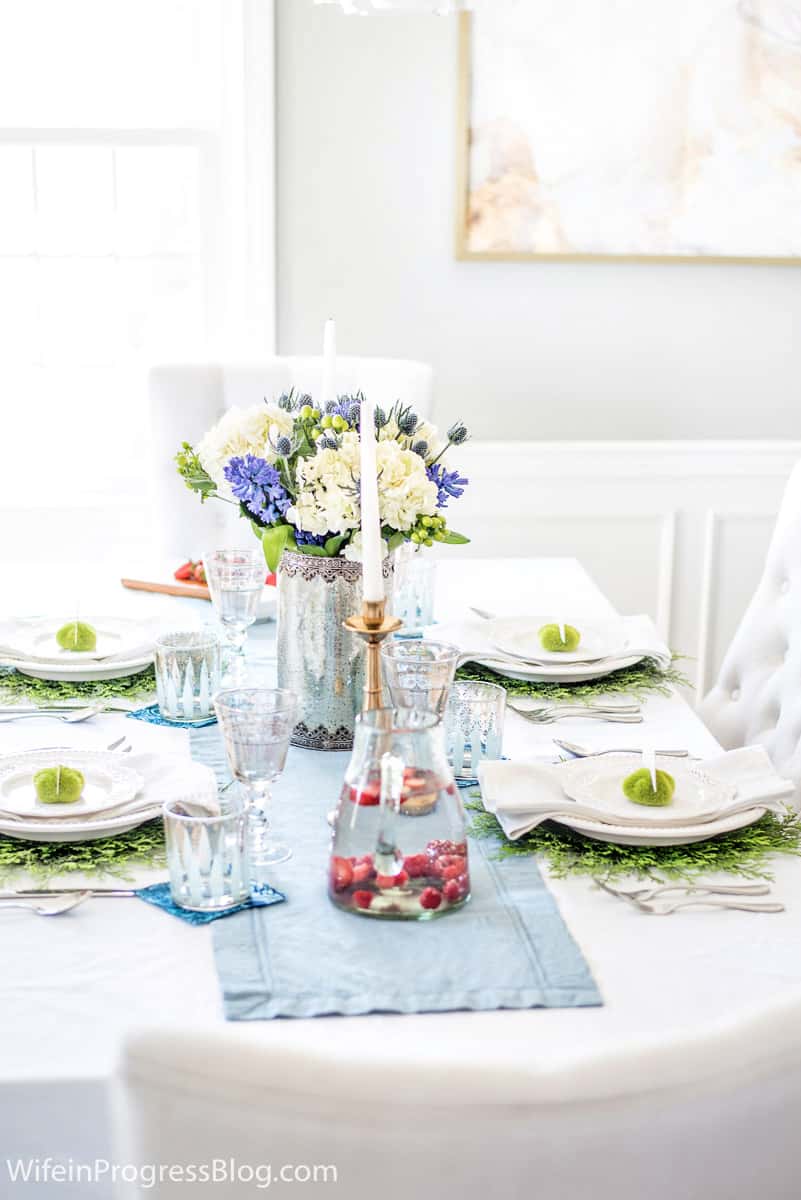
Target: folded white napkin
471	635
524	794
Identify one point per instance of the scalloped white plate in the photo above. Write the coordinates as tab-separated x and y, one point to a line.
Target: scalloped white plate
109	782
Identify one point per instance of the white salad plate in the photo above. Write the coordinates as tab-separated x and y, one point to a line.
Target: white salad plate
519	636
108	783
598	783
35	640
558	673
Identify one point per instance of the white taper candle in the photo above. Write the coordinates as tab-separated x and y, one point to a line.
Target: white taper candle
372	578
328	391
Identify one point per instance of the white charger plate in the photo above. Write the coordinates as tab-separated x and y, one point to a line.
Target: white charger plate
108	782
519	636
628	835
597	781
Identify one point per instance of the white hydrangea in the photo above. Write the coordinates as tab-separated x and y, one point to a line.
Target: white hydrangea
239	431
404	490
327	500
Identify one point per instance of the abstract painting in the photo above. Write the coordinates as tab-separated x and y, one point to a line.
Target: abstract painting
666	129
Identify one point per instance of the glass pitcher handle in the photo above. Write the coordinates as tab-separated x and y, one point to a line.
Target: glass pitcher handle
388	858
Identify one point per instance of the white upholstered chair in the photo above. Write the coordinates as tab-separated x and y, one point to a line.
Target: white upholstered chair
707	1116
185	400
757	698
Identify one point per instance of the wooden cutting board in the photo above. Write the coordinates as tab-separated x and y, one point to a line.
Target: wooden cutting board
197	591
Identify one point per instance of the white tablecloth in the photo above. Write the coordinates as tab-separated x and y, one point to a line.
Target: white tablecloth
71	988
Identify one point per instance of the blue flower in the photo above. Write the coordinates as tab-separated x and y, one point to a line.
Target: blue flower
302	538
258	486
450	484
457	434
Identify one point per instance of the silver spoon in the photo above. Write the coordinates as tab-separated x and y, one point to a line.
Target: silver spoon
52	909
70	718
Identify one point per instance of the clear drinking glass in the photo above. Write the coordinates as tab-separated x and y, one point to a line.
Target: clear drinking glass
413	590
418	674
187	674
474	726
235	579
257	724
206	856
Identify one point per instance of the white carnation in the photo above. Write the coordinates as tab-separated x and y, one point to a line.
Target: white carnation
404	490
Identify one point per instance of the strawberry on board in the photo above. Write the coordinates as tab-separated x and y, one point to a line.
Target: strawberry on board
186	571
199	573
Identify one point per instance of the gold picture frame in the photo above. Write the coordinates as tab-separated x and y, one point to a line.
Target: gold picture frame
462	250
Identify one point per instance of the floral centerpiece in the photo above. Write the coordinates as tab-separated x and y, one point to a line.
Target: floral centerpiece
293	471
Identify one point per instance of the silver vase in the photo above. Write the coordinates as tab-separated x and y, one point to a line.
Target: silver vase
319	660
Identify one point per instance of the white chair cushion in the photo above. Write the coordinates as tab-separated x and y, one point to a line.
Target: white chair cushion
757	698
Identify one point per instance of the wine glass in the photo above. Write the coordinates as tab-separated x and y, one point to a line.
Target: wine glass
257	724
235	579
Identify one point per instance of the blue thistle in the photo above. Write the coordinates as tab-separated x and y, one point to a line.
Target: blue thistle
327	442
407	423
420	448
258	487
457	434
381	417
283	447
450	484
286	401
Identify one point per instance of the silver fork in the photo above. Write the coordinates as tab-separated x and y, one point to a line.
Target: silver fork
689	901
550	713
687	889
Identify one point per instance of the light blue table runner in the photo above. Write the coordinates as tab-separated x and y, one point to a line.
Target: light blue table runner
507	948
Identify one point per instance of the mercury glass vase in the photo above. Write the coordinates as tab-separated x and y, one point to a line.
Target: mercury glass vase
318	659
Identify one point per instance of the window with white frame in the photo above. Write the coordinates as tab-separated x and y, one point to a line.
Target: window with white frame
135	161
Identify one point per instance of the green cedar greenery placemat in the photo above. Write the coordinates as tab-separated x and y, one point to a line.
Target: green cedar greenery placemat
746	852
110	857
639	680
15	687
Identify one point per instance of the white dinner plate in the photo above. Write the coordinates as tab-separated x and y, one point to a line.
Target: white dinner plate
77	831
85	672
597	781
560	672
108	782
629	835
35	640
519	636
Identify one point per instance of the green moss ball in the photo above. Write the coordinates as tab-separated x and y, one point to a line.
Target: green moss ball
58	785
637	787
550	639
76	635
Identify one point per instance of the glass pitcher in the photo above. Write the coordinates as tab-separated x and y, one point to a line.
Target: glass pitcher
399	848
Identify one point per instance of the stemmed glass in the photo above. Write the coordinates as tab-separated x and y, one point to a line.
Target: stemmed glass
235	579
257	724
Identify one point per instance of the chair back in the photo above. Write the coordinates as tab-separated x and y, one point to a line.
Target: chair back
757	698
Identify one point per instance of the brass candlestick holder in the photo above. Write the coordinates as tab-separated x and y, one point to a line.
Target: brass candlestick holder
372	625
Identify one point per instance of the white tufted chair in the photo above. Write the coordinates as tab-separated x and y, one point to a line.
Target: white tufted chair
757	698
185	400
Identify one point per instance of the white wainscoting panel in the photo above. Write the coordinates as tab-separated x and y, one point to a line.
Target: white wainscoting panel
675	529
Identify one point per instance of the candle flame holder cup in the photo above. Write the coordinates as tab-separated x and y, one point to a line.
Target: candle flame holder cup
372	625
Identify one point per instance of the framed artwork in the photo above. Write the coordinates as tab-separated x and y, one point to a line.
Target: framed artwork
662	130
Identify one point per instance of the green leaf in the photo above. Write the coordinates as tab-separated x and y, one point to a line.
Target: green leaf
334	545
274	542
396	539
453	539
315	551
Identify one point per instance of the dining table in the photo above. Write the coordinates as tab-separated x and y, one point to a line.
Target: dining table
682	995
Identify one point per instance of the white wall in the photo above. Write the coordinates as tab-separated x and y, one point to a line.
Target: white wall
366	145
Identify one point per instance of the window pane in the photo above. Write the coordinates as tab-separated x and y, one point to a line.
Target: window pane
157	200
75	199
16	200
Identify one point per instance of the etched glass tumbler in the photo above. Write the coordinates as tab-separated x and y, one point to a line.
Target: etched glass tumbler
187	674
256	725
419	674
206	857
235	579
474	726
415	577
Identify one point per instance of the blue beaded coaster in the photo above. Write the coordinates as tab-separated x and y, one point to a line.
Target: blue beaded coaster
153	716
261	896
